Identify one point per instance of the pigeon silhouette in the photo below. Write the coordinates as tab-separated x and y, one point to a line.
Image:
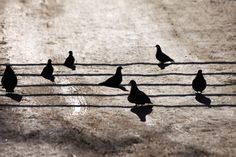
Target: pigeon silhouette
115	80
199	83
142	111
48	71
69	62
9	79
136	96
203	99
161	56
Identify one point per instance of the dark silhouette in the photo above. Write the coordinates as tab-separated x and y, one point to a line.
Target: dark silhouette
199	83
162	57
163	65
136	96
115	80
47	72
14	96
69	62
142	111
9	79
203	99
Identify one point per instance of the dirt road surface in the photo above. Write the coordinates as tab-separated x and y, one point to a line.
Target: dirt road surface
109	33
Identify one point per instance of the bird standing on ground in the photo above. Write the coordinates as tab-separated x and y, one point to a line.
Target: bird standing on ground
9	79
69	62
162	57
199	83
136	96
48	71
115	80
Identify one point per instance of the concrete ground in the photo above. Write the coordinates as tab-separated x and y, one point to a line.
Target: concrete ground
197	34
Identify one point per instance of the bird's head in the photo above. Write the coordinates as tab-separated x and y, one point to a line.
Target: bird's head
70	52
132	83
49	61
158	47
199	72
8	68
119	68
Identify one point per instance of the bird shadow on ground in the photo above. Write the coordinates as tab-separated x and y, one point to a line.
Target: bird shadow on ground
142	111
162	66
203	99
14	96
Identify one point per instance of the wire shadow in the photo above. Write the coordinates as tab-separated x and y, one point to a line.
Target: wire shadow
14	96
127	64
203	99
137	75
142	111
124	85
112	106
120	95
195	106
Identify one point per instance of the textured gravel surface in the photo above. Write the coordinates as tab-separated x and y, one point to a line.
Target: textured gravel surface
197	34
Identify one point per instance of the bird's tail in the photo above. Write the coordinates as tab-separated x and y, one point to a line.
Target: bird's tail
122	88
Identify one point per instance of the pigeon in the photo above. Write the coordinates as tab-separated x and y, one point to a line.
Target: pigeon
69	62
115	80
199	83
161	56
48	71
9	79
136	96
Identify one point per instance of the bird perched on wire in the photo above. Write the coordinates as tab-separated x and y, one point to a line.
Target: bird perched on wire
136	96
69	62
48	71
162	57
115	80
199	83
9	79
